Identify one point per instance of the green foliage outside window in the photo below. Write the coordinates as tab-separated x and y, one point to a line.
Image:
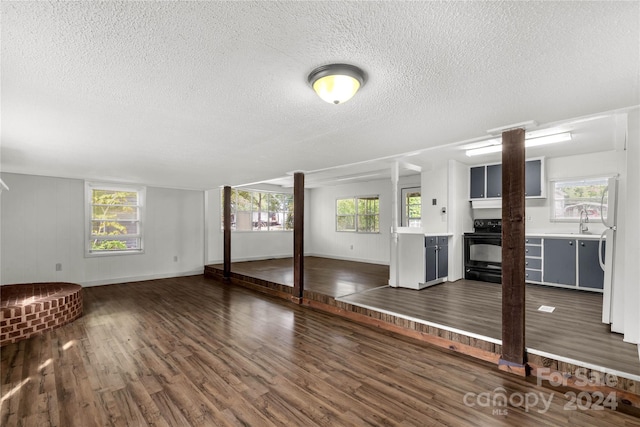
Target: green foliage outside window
360	214
259	211
113	213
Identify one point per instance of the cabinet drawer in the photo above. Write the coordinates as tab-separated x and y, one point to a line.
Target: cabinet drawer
533	263
530	250
533	275
443	240
533	240
431	241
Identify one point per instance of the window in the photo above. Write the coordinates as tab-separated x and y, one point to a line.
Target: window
411	207
114	215
572	196
358	214
258	211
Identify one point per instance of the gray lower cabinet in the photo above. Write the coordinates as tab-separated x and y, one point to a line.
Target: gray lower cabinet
590	274
443	257
437	258
559	261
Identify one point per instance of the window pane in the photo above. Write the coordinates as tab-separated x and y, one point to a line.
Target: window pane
288	210
260	212
111	197
114	219
345	207
368	205
346	223
574	196
368	223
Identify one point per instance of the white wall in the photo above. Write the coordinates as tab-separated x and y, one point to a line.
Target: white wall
325	241
627	254
42	223
459	218
435	186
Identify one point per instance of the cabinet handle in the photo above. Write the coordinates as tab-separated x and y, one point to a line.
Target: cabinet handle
526	250
526	263
570	242
581	243
499	194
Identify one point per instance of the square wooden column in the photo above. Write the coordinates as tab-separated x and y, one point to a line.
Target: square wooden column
298	236
226	214
513	237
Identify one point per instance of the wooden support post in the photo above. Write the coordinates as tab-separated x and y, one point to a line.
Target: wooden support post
298	236
513	231
227	231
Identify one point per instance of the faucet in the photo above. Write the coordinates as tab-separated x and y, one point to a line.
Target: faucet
584	219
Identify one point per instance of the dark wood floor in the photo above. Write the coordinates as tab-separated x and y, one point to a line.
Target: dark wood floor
573	331
326	276
193	351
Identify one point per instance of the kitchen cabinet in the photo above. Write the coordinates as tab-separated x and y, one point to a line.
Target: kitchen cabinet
494	180
533	259
533	178
476	175
590	274
485	182
443	257
559	261
436	258
423	261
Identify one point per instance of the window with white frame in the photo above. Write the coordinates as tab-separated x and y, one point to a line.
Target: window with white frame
572	196
411	207
259	210
358	214
114	216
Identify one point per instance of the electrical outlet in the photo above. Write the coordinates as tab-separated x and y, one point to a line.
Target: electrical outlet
175	258
351	247
58	267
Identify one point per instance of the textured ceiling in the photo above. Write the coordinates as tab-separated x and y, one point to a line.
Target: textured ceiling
202	94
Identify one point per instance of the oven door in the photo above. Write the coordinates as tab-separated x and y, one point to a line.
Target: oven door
483	257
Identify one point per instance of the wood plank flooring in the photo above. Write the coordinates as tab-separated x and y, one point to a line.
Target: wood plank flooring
326	276
573	331
196	352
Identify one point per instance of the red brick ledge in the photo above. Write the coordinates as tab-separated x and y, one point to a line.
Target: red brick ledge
33	308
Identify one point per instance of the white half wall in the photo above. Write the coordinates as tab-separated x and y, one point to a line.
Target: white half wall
42	224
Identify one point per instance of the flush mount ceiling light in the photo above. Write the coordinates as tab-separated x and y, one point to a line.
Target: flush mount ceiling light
336	83
495	145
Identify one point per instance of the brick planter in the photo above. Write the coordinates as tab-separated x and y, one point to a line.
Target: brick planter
34	308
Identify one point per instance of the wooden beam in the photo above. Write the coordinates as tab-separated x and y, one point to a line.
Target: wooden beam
298	236
227	231
513	230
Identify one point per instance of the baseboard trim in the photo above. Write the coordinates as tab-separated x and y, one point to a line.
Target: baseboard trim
140	278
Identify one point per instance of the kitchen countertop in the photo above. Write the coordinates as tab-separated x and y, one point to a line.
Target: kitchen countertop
594	236
411	230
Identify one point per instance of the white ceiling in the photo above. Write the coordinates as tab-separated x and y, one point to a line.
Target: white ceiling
202	94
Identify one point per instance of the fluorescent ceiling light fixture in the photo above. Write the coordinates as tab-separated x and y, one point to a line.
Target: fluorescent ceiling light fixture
336	83
529	142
